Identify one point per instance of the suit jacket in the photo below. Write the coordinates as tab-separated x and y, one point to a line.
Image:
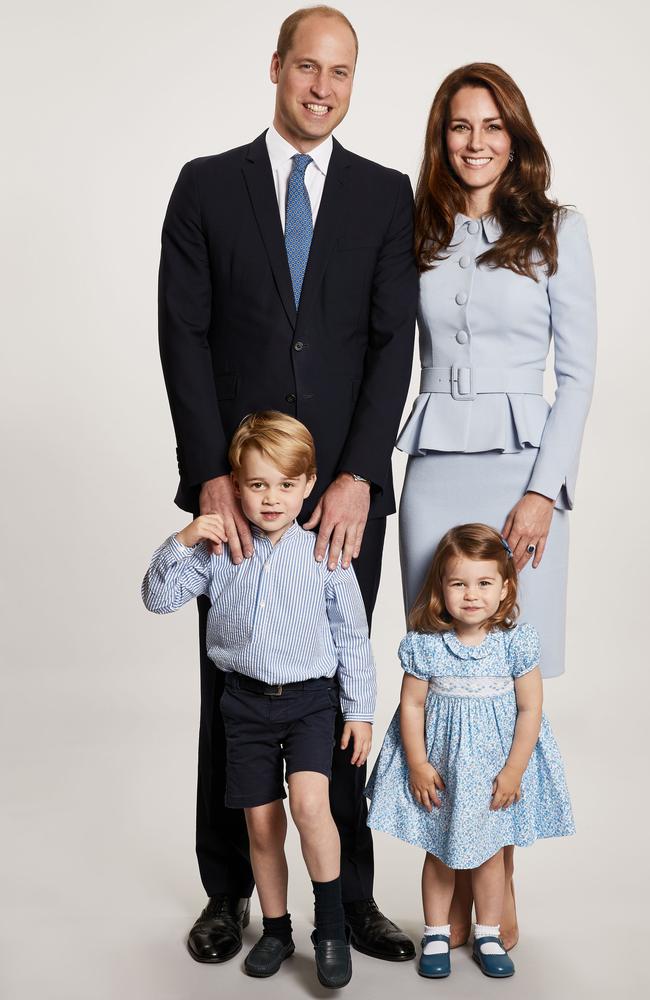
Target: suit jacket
490	323
231	341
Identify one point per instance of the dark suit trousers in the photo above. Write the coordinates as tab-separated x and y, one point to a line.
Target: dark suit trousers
221	837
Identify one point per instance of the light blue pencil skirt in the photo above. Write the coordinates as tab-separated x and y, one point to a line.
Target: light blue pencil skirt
443	489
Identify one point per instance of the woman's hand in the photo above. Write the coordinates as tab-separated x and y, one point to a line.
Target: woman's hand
528	523
506	788
424	782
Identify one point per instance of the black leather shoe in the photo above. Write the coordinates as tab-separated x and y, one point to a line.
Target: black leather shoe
333	962
265	958
374	934
216	935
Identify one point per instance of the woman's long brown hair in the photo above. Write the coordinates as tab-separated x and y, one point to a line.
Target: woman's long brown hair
527	216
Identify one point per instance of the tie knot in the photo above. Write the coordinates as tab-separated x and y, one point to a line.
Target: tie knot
300	163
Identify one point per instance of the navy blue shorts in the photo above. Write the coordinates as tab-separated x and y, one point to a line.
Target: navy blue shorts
267	735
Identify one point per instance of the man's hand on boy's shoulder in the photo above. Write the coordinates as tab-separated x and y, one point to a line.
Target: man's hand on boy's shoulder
207	527
361	735
341	514
217	496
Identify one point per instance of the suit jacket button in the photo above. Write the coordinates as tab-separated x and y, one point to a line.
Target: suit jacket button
290	397
462	337
465	261
298	346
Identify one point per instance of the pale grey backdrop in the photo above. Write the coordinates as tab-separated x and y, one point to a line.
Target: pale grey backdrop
103	104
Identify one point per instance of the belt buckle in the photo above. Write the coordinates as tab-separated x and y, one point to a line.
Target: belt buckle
276	692
461	377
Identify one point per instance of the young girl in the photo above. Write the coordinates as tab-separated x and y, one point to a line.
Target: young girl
469	763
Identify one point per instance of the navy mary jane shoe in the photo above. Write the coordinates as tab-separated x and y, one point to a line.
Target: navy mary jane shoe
495	966
436	966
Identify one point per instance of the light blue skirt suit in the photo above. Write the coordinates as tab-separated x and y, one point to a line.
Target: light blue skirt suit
481	433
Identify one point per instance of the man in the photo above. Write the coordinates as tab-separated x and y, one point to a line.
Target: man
287	282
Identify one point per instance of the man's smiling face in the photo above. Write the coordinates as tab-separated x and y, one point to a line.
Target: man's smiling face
314	81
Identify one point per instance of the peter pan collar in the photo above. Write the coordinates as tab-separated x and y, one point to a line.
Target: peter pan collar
491	228
453	643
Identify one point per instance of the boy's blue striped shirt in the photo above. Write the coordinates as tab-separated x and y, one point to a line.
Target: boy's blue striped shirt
279	616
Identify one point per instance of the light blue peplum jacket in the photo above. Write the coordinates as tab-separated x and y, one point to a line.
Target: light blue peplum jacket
484	355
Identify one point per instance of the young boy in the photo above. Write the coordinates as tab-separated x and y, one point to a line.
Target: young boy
291	637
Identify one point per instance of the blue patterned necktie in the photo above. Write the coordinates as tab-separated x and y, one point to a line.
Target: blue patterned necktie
298	227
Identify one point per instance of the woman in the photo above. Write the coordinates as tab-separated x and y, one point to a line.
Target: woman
504	271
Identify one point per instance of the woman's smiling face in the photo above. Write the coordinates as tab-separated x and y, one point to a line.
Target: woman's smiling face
478	144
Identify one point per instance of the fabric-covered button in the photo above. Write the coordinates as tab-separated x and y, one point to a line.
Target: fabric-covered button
462	337
461	298
465	261
473	227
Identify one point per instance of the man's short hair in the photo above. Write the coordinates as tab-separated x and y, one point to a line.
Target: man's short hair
290	24
281	439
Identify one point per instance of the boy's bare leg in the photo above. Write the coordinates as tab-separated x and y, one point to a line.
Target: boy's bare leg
319	838
509	925
267	830
460	913
437	891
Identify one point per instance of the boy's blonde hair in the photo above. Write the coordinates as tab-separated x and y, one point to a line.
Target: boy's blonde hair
282	440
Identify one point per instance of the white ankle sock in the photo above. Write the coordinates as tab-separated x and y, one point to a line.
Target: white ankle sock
490	947
436	947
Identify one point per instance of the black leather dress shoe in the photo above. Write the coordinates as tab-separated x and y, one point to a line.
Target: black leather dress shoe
374	934
265	958
333	962
216	935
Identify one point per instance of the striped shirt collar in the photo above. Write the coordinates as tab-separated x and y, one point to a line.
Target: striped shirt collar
293	529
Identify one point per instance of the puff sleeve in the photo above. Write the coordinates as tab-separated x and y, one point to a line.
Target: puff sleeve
524	651
415	660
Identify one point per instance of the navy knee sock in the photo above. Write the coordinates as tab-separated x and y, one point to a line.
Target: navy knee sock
278	927
328	909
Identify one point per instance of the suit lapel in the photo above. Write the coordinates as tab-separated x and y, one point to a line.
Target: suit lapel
259	181
328	220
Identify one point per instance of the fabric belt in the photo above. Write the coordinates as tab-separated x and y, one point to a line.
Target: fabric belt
246	683
467	383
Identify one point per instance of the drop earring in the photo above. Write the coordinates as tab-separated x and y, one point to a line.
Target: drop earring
511	156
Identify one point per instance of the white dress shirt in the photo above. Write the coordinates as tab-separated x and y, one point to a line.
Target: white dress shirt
280	153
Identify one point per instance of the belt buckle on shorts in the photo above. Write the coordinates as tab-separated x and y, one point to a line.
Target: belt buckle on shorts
274	690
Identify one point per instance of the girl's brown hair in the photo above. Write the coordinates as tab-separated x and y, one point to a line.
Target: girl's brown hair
527	217
471	541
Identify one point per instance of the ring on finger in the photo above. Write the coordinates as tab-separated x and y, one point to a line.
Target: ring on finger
530	549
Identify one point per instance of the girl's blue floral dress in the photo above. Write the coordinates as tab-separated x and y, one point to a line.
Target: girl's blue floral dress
470	716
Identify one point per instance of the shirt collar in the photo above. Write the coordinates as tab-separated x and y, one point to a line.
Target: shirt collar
280	151
491	228
291	530
453	643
